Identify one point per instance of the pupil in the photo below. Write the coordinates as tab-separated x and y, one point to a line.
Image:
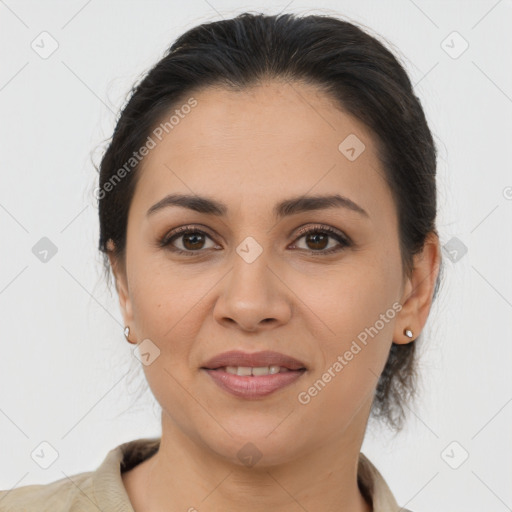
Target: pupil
194	237
190	241
314	237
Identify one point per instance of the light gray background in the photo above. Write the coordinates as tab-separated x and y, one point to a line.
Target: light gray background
65	367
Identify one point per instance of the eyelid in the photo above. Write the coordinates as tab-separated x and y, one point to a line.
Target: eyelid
346	242
322	227
184	229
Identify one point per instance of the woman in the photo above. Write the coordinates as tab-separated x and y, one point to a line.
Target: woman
267	206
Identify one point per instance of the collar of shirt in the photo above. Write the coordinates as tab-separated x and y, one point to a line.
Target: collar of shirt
111	494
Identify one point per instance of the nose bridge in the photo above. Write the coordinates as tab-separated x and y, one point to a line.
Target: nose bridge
250	276
252	295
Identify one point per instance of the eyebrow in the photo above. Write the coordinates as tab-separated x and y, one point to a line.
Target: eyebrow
282	209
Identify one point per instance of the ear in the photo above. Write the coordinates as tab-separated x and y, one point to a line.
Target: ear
121	283
418	291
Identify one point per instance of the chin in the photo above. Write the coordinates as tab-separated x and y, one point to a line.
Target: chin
255	447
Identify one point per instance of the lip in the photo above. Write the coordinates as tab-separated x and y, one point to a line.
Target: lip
253	386
255	359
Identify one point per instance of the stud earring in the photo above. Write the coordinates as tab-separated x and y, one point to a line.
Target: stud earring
127	333
408	333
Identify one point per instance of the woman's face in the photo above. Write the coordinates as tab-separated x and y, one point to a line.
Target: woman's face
251	281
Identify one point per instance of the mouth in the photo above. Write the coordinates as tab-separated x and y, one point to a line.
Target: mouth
252	376
262	363
254	371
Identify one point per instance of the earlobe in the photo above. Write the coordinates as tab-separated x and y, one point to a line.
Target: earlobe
419	292
407	335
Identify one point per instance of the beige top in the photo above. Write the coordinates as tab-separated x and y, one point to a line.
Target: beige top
103	488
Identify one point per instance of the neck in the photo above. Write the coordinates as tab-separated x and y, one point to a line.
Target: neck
186	475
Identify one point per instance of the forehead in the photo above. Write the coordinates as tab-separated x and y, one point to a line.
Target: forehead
277	139
273	114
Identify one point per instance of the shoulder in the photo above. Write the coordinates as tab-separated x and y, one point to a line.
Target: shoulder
102	489
375	488
71	494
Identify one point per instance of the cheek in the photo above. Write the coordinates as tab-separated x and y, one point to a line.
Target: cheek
167	311
352	362
354	295
163	297
358	309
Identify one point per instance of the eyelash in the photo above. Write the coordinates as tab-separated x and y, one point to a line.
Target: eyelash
345	242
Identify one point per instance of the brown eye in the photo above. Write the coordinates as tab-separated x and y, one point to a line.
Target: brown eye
317	240
192	241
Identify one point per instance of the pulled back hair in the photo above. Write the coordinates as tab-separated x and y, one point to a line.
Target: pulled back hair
340	59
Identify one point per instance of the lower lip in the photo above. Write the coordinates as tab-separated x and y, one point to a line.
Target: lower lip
253	386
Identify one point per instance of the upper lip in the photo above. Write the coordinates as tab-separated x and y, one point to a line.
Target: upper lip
255	359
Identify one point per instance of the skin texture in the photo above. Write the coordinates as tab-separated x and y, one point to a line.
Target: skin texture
250	150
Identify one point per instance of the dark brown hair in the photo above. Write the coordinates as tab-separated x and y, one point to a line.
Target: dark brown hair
353	67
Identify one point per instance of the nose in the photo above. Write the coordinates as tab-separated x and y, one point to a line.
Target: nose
253	296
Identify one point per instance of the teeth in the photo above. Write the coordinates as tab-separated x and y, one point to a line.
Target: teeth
243	370
248	370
